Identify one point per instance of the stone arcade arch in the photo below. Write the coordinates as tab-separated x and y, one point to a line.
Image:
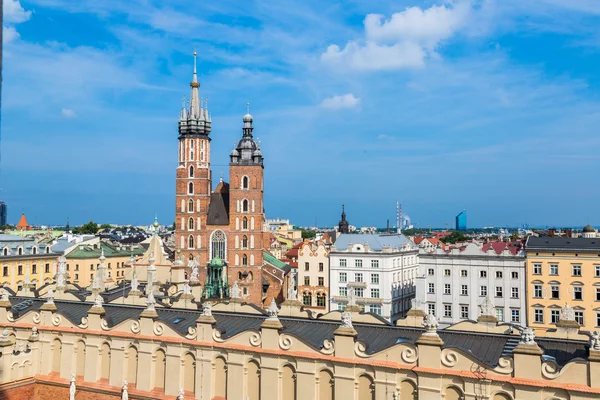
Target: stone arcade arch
132	364
159	360
366	389
253	383
288	383
220	374
326	387
189	372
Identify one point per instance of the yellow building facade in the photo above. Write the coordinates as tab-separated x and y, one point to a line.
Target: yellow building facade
563	271
23	256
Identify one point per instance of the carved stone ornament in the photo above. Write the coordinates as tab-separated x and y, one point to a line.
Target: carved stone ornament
292	292
180	395
194	276
150	301
98	301
3	295
4	337
346	320
567	313
595	341
207	309
124	393
187	289
487	308
527	336
431	324
134	282
273	311
34	332
50	297
72	388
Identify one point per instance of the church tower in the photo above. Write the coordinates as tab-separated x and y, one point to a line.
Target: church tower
193	177
246	194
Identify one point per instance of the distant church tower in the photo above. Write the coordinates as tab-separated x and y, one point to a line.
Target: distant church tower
246	195
343	225
193	178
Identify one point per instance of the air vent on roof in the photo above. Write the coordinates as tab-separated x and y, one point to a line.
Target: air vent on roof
177	320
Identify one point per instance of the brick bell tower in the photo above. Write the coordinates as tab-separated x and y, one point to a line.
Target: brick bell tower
246	193
193	178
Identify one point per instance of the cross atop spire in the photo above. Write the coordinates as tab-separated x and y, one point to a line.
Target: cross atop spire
248	107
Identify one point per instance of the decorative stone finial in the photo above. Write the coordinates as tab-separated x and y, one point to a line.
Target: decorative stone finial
180	394
187	289
151	259
292	292
124	393
527	336
34	332
50	297
207	309
61	273
272	311
3	295
194	276
346	320
102	258
134	282
567	313
595	341
487	308
150	302
235	291
72	387
351	297
4	337
98	301
431	324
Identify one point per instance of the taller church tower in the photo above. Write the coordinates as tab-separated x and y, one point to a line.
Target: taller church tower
193	177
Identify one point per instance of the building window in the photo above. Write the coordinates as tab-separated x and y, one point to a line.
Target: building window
553	269
191	171
374	293
342	262
448	310
34	268
447	272
5	252
343	277
191	188
20	251
483	291
431	288
190	205
483	274
20	270
577	293
76	277
555	292
47	268
537	291
358	277
191	241
464	290
576	270
515	275
245	223
498	291
91	277
463	273
499	274
321	267
515	316
321	281
554	316
447	288
5	271
597	294
375	278
360	292
306	266
538	316
358	263
597	271
341	307
245	207
217	245
34	250
598	319
464	312
537	269
320	300
374	263
307	299
307	281
431	271
500	314
245	182
343	291
514	293
191	224
376	309
431	309
244	259
579	317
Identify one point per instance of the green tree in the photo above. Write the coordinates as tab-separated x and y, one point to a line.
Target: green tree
308	234
90	228
454	237
105	226
514	236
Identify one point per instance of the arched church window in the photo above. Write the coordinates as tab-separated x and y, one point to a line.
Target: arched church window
191	257
244	242
190	188
240	276
245	223
191	171
217	245
191	149
245	205
244	260
191	224
245	182
191	205
191	242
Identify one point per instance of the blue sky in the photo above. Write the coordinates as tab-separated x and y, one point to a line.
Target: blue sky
488	105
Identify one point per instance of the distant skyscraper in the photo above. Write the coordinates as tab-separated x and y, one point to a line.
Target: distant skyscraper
461	221
3	213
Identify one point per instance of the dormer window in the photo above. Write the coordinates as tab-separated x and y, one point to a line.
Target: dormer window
20	251
34	250
47	250
5	252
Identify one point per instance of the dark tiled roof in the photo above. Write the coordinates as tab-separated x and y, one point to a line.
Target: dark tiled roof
218	210
563	243
485	347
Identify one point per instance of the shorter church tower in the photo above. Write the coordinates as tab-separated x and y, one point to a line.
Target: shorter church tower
343	226
246	194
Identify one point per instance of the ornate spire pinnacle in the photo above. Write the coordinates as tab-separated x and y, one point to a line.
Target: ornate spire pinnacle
195	106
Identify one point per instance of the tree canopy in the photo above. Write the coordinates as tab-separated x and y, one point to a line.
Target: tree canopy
308	234
90	228
454	237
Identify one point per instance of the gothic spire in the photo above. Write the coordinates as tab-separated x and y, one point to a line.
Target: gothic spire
195	106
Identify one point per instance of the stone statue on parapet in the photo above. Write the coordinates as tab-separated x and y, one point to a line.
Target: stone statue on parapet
346	320
527	336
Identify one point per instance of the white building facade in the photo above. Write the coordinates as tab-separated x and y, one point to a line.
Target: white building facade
381	270
452	284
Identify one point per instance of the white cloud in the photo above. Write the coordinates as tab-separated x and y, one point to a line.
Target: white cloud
68	113
406	40
13	12
339	102
9	33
